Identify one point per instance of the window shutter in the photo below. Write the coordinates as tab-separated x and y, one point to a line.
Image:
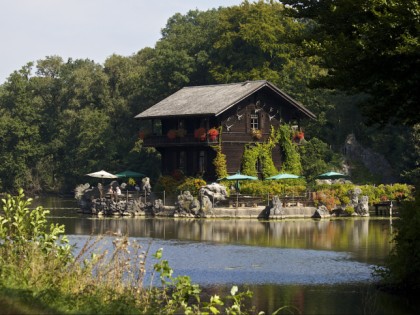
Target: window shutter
261	119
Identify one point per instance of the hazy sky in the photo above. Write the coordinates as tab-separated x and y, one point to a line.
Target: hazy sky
33	29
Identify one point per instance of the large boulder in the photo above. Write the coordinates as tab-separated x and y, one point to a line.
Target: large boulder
214	191
276	206
183	203
362	207
321	212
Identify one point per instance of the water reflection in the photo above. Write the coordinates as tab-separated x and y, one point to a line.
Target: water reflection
368	239
315	266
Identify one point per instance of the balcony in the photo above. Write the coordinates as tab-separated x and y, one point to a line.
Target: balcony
187	140
190	140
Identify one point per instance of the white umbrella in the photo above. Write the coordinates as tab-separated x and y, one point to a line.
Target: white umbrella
102	174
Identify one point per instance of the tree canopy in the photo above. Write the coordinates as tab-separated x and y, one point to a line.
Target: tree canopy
369	46
62	119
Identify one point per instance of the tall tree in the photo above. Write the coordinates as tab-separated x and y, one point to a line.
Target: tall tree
370	46
20	139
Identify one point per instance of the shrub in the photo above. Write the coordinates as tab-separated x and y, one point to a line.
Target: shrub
327	197
349	210
20	225
168	184
192	184
219	162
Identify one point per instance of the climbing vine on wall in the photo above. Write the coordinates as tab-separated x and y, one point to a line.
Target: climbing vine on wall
250	159
291	163
260	152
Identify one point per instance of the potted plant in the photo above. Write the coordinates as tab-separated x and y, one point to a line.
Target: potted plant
200	134
256	133
213	133
181	133
301	135
298	136
171	134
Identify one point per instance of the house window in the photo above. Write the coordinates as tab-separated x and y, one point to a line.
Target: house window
254	121
202	162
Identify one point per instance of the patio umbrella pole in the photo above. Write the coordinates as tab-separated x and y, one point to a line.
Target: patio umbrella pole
237	200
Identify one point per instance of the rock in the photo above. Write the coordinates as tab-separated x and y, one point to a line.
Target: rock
276	207
206	206
214	191
362	207
183	202
158	206
376	163
321	212
145	185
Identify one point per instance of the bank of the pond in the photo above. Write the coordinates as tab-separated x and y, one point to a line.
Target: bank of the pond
258	212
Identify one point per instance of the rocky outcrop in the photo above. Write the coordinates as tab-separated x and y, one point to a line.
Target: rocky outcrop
104	200
188	205
321	212
276	207
362	207
373	161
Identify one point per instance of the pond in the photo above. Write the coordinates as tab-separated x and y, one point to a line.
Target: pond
314	266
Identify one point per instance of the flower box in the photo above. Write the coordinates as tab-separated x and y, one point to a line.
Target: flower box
213	133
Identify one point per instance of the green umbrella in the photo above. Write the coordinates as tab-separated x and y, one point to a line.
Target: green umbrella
331	175
237	177
284	176
129	173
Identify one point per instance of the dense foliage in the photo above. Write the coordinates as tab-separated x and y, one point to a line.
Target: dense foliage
62	119
369	46
403	265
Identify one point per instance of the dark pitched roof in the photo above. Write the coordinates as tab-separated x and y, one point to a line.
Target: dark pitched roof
212	100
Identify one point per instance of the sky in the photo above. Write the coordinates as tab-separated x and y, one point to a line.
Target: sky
30	30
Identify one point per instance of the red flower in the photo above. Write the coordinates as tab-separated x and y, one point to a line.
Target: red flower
171	134
200	133
213	132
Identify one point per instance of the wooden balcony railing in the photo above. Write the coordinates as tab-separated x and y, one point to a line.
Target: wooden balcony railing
190	140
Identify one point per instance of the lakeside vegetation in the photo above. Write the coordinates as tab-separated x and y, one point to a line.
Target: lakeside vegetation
38	267
61	119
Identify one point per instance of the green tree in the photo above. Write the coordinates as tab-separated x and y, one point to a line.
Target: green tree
316	158
20	145
368	46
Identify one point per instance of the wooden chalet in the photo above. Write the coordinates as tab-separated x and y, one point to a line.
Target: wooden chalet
181	124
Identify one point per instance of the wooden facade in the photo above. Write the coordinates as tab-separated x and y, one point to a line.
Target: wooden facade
234	109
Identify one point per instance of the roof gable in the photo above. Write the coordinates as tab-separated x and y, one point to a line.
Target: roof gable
211	100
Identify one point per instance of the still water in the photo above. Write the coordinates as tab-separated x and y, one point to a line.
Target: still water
314	266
